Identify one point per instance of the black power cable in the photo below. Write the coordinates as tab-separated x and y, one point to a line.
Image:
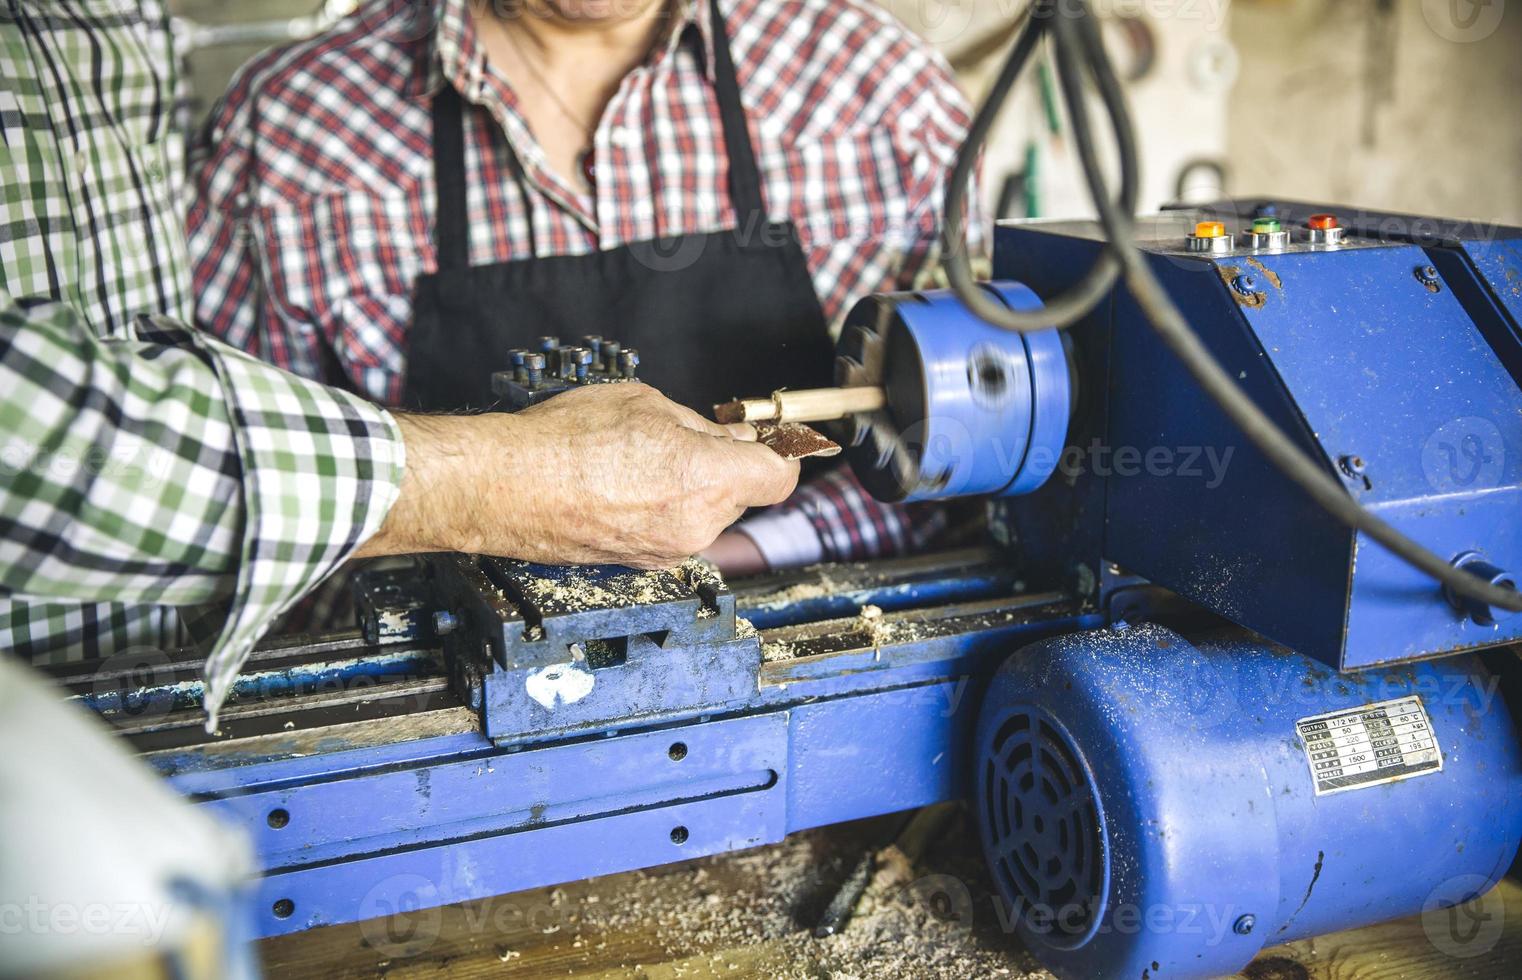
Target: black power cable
1080	54
1059	311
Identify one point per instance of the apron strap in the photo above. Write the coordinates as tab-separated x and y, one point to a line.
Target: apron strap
449	176
744	174
450	222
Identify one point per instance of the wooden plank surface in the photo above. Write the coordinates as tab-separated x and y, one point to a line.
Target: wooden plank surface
750	914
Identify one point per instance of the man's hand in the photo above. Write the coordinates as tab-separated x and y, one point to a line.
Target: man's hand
611	473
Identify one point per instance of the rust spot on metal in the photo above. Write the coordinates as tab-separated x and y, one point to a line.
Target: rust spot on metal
1269	274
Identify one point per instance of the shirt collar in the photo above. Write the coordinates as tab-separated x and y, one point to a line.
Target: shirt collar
458	57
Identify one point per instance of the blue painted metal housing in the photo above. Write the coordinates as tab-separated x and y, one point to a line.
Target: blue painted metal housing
1382	375
1149	809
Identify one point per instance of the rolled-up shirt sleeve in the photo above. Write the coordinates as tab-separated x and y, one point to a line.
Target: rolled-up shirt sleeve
170	468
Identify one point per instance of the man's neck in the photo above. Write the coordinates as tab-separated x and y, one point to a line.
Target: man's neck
560	37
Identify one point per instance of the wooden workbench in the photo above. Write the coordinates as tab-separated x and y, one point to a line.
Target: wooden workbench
745	915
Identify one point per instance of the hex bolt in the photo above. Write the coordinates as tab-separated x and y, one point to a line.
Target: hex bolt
628	363
445	622
609	356
1245	284
534	365
1244	924
515	358
583	358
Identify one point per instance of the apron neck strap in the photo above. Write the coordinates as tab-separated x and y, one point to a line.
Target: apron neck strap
744	174
449	178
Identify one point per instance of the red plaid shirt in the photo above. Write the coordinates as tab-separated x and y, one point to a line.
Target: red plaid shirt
314	205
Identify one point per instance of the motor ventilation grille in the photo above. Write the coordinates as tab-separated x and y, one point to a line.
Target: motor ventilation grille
1042	827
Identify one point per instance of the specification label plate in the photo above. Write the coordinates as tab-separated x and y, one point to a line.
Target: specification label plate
1377	743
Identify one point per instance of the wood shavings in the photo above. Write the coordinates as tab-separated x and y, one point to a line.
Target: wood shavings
729	413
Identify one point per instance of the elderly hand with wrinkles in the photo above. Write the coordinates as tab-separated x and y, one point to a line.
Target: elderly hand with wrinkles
610	473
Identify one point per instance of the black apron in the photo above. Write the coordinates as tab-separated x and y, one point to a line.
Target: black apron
714	317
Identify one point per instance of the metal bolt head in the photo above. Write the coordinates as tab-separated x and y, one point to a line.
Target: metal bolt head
516	358
1352	465
628	363
549	344
609	355
1427	276
445	622
1245	284
1244	924
534	366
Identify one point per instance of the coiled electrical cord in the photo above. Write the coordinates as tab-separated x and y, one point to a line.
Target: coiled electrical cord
1080	57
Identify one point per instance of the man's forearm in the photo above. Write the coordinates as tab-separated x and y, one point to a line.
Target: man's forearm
605	474
434	508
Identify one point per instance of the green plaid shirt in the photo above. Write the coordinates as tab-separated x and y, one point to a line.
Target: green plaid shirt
145	468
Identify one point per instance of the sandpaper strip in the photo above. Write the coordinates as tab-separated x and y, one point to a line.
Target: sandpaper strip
792	440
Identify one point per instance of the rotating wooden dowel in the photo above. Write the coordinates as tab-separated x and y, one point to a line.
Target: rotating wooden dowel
816	405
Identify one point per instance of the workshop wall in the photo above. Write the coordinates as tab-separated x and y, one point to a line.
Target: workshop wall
1176	57
1403	105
